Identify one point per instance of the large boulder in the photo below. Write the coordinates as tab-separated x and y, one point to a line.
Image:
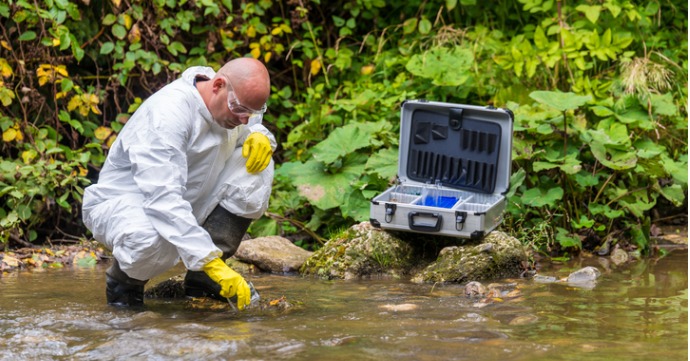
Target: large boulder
361	251
498	255
272	254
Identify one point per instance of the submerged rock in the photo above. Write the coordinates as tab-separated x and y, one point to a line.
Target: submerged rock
361	251
497	256
584	278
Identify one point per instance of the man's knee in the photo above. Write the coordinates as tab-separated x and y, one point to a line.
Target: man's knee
143	254
226	230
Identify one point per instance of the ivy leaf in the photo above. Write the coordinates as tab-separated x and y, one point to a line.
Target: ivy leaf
27	35
613	158
606	210
436	64
409	26
341	142
567	241
537	197
674	193
559	100
424	26
384	162
591	12
663	104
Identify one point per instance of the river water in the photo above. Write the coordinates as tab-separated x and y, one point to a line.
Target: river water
635	312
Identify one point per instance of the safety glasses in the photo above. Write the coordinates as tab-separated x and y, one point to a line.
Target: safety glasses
239	109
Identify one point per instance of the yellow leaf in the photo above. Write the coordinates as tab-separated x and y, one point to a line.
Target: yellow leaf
276	31
251	31
93	99
5	45
73	103
95	109
134	35
62	70
256	52
254	45
102	132
5	68
367	69
126	21
28	156
19	136
286	28
116	3
267	56
315	66
82	173
9	135
56	42
111	140
60	95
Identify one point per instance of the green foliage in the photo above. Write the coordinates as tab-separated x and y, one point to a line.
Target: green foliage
599	93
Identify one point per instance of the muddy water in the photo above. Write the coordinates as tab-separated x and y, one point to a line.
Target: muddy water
636	312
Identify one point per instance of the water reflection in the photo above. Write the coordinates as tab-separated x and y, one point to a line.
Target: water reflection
636	312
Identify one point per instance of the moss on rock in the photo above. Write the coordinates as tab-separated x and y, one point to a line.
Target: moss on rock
361	251
497	256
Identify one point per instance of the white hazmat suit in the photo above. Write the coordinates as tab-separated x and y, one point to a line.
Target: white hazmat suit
170	166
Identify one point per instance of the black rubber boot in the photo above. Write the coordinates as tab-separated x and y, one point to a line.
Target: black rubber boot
122	290
227	231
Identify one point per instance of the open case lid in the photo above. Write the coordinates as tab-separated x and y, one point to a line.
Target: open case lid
461	146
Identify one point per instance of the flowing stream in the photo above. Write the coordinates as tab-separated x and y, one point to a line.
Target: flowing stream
636	312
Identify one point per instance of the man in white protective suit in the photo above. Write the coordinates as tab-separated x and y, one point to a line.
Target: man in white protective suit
186	176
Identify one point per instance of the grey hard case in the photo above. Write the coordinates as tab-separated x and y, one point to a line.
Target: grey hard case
453	171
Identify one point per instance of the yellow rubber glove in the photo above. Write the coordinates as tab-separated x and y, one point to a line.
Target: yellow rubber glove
231	283
257	148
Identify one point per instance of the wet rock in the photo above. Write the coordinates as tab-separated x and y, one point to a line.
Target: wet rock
544	279
497	256
619	256
272	254
168	289
404	307
475	289
523	320
361	251
584	278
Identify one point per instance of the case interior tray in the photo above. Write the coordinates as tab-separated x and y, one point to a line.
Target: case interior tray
442	198
455	149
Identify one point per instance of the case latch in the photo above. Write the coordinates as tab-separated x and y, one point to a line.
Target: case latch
460	218
390	211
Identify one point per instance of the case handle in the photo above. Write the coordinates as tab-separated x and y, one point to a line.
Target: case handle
424	227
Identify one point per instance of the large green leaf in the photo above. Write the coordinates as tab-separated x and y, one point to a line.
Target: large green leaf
356	206
613	158
341	142
384	162
444	66
673	193
323	189
560	101
537	197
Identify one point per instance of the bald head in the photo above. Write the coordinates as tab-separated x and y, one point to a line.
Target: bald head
250	80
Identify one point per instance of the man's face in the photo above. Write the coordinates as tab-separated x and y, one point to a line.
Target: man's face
233	113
